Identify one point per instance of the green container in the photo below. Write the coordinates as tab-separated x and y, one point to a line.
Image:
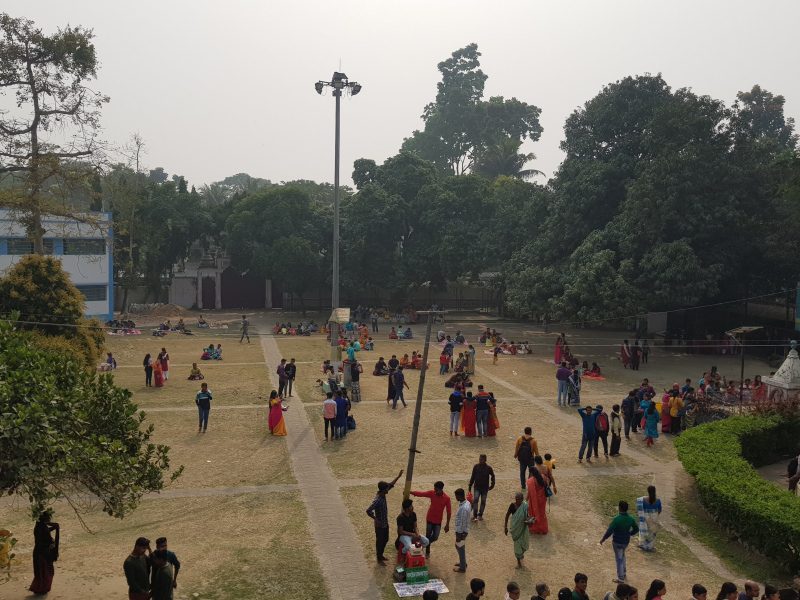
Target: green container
417	575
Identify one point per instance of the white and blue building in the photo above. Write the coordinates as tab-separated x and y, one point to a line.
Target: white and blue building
84	246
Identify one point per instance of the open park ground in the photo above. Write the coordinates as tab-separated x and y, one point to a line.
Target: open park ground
256	516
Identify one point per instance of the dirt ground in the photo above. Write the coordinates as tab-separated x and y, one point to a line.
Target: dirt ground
238	540
525	388
194	513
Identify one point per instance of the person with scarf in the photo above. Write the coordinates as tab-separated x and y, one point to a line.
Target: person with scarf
518	513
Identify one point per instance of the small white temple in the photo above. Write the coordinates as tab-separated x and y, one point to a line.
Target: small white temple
784	385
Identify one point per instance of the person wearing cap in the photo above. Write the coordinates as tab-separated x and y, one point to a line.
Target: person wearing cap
440	503
379	512
137	570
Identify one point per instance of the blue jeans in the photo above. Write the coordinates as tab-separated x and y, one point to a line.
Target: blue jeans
432	531
482	417
454	418
587	442
442	368
479	495
203	414
398	395
406	541
619	558
562	392
461	548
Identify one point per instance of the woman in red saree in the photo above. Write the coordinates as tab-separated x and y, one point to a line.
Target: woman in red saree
537	497
277	426
558	353
468	416
158	374
625	354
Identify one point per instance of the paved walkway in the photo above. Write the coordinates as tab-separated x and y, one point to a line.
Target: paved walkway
337	546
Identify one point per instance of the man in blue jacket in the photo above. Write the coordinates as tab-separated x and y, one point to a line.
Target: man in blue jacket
588	415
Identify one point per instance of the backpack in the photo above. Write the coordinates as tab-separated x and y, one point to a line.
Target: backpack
601	422
525	453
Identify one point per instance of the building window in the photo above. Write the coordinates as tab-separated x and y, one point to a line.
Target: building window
21	246
93	293
85	247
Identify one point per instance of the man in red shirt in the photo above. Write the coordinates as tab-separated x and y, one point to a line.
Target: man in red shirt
440	502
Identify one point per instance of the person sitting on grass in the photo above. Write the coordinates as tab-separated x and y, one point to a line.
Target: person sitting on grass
202	323
195	374
380	368
393	334
407	335
405	361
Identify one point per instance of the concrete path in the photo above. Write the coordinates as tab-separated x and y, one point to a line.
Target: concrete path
338	549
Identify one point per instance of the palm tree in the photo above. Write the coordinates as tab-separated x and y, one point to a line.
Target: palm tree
503	157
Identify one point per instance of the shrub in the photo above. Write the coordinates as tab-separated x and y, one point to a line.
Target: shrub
43	299
761	514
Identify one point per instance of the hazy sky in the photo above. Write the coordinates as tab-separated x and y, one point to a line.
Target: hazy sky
217	88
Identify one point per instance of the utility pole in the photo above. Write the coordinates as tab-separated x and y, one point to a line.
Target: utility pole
412	450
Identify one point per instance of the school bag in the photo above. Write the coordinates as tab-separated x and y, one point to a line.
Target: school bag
601	422
525	452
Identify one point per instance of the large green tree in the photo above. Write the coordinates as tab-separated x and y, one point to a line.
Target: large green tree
49	139
461	126
69	433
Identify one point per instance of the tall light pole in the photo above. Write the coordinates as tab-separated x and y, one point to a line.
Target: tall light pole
338	83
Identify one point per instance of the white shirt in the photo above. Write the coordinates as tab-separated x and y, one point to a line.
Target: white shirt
463	514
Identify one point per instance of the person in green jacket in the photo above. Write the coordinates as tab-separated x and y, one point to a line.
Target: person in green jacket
622	527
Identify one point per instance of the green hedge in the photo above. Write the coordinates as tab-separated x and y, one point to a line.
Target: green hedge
719	456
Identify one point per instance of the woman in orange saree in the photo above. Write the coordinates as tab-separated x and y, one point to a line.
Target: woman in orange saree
537	496
277	426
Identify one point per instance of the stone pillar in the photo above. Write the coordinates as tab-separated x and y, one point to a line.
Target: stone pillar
199	288
268	297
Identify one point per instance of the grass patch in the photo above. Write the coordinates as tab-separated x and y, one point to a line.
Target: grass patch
689	512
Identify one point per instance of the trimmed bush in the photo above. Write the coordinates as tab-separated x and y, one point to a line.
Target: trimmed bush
762	515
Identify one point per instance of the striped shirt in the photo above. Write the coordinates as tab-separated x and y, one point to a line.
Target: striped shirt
379	511
463	514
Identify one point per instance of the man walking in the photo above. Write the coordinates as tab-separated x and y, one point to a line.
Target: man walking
203	402
245	327
399	383
462	530
588	415
440	502
480	482
622	527
283	380
291	372
137	570
482	411
379	513
524	452
562	379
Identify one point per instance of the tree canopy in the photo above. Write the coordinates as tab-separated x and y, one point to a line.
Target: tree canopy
69	433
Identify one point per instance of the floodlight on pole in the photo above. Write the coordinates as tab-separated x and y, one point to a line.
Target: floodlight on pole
338	82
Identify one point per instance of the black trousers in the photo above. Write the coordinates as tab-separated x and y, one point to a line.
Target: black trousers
616	440
281	386
381	539
601	436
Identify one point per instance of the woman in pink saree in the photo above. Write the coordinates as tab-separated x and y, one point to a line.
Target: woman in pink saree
277	426
558	352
